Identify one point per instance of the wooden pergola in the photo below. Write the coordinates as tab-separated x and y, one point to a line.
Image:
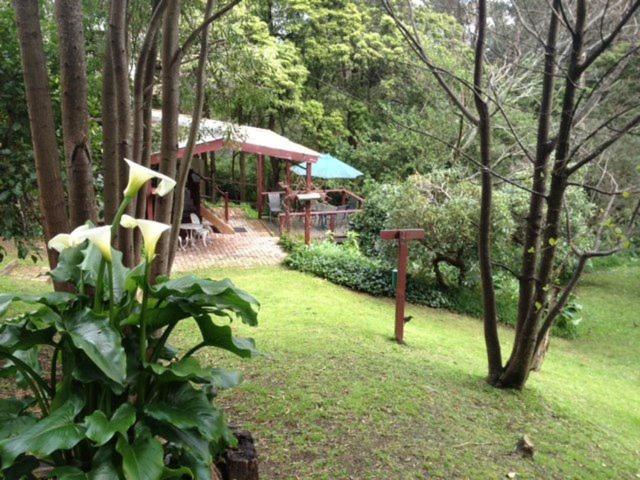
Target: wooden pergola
215	135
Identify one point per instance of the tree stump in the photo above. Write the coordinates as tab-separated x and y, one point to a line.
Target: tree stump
240	463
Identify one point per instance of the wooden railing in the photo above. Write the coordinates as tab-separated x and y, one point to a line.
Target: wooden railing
284	219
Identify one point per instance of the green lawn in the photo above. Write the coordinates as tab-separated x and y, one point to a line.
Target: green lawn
334	398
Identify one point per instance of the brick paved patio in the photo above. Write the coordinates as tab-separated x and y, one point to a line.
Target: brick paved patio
257	245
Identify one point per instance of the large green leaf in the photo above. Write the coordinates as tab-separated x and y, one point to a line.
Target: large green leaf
94	335
68	267
222	378
58	431
90	264
188	408
10	427
91	267
185	369
12	407
221	336
189	440
19	336
54	300
220	296
142	460
103	464
100	429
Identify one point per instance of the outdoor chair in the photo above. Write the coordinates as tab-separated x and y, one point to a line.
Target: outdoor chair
204	230
275	204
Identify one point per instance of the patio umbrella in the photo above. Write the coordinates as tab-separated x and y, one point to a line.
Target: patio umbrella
328	166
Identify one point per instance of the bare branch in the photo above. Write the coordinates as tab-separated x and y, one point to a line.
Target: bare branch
601	47
205	24
595	153
416	45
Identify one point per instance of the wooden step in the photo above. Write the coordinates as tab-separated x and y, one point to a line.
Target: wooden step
217	222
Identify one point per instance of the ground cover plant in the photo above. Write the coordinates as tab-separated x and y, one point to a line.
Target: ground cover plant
333	397
108	397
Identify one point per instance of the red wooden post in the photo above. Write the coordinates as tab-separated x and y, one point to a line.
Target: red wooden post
403	236
259	184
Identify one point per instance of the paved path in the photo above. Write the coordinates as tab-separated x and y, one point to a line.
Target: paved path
256	245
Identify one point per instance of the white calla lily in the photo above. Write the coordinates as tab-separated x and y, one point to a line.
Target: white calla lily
151	232
101	238
67	240
139	175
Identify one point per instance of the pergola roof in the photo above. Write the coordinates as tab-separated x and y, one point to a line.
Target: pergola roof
216	135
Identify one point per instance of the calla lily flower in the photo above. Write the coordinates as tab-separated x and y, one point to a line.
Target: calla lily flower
101	238
151	232
139	175
67	240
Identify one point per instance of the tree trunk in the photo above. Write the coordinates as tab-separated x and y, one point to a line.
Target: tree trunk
75	113
119	56
110	165
170	112
185	162
541	352
41	121
519	364
142	103
492	340
531	247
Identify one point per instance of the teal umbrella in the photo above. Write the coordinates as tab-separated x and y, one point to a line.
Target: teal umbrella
328	166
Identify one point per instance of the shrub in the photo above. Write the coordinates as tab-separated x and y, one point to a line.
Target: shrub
347	266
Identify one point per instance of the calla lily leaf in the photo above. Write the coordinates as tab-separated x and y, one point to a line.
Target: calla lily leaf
58	431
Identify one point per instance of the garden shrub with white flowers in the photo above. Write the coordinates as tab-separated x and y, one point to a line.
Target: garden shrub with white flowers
115	400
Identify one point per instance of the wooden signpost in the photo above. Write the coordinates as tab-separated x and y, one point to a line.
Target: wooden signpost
403	236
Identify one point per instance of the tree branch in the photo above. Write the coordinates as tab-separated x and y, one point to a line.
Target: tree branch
205	24
597	50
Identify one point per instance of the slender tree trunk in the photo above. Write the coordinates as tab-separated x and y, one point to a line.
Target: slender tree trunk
492	340
185	162
142	102
519	365
110	165
75	113
531	247
170	112
41	121
119	56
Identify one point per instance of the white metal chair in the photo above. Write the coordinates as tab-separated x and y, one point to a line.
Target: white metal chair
202	232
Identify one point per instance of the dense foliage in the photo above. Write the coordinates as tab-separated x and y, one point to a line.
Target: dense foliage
109	397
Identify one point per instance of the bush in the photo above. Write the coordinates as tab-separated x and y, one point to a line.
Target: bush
347	266
343	266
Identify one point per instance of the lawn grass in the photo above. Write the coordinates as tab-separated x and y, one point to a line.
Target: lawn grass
333	397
